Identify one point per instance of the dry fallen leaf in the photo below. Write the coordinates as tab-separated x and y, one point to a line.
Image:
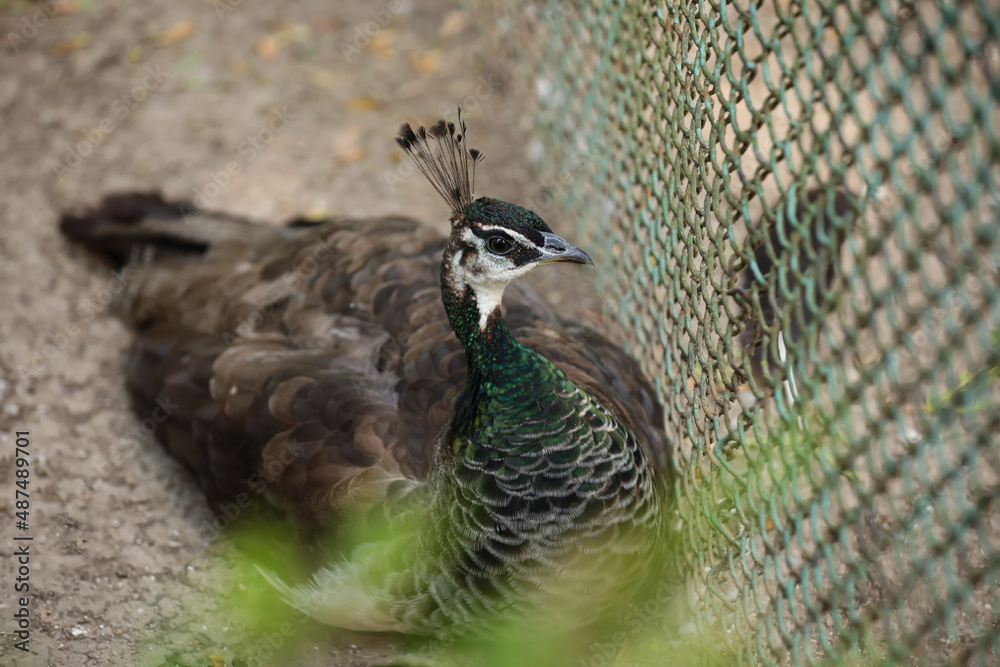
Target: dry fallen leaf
316	213
240	67
426	62
367	103
325	79
176	33
267	47
134	54
381	44
352	155
295	32
324	25
70	7
453	24
77	42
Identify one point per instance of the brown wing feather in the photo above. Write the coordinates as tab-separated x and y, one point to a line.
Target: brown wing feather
315	365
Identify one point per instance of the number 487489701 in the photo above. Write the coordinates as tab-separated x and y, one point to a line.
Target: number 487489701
22	474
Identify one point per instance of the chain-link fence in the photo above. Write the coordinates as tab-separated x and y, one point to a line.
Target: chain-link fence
801	200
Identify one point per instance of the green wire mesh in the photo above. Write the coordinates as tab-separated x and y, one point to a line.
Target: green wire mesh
838	471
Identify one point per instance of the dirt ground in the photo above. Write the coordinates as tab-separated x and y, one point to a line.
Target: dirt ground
97	97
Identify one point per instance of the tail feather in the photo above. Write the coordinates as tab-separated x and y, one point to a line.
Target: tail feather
129	225
123	223
337	596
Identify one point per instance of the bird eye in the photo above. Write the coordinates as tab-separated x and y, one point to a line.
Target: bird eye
499	245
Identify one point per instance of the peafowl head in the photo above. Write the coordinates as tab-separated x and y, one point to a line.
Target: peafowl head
492	242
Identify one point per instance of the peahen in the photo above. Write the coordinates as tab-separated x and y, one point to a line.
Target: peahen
366	368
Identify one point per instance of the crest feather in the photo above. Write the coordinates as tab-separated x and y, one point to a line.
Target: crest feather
441	154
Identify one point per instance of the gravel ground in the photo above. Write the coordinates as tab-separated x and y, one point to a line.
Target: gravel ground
114	96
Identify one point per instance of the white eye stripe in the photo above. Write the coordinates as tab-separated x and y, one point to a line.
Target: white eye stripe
521	237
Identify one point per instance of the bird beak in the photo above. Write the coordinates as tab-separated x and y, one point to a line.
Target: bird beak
557	249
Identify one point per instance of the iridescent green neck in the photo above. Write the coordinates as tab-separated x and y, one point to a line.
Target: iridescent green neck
500	372
483	346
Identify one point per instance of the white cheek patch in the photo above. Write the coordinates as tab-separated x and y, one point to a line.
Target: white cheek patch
455	266
487	282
